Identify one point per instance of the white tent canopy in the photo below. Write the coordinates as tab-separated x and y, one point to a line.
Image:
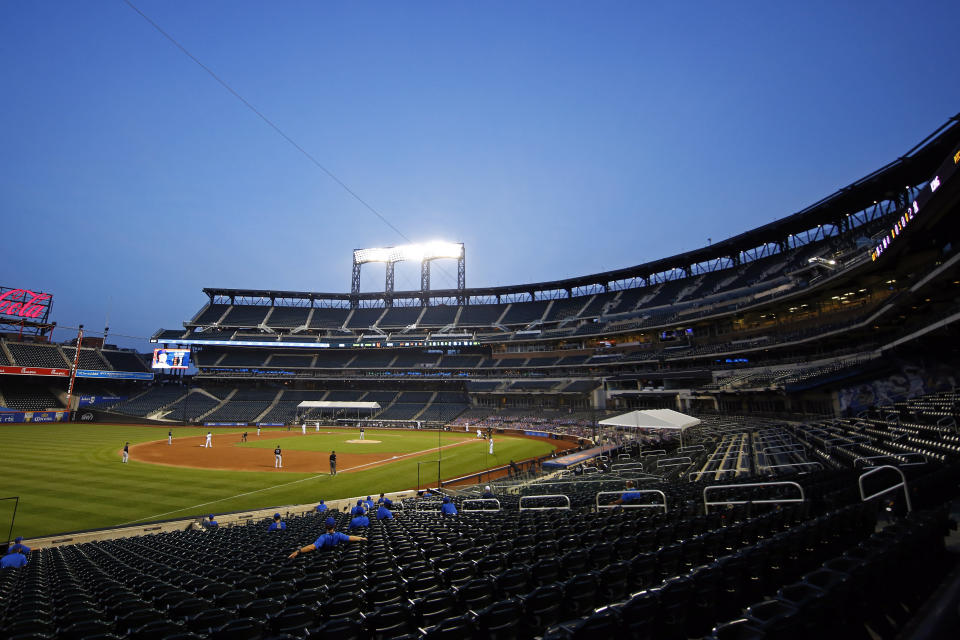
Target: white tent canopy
652	419
667	419
330	404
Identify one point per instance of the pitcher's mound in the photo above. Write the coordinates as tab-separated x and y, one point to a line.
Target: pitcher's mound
363	442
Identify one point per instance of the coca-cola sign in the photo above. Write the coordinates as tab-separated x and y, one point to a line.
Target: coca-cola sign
23	303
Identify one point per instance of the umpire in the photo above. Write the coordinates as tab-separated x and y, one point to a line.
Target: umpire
333	463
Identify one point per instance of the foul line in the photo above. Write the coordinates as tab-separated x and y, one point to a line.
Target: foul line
292	482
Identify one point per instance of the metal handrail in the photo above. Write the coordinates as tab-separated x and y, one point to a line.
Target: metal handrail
520	506
707	504
590	470
789	447
902	483
653	452
632	506
674	462
692	447
624	466
893	456
463	505
794	464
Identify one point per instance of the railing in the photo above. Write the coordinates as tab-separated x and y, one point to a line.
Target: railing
691	448
658	505
900	457
589	470
653	452
707	504
520	506
624	466
790	448
463	505
793	464
902	483
674	462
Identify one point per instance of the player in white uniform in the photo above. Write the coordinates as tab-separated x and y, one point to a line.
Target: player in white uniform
318	427
170	436
209	443
258	431
478	434
361	433
303	428
491	446
277	458
126	452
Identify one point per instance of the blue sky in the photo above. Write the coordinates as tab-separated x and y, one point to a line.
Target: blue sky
552	138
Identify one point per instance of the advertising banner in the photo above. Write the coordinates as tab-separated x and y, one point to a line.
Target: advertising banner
34	371
114	375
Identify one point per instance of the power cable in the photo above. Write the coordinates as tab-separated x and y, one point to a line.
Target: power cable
267	120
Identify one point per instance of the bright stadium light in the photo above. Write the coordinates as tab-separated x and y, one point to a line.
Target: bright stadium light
419	252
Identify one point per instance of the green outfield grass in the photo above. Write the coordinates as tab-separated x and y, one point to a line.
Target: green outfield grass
69	477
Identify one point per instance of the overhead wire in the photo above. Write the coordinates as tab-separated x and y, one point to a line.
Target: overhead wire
223	83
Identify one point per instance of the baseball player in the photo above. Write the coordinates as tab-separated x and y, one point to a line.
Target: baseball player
244	438
277	458
318	427
333	463
209	443
303	428
361	433
478	434
491	446
126	452
258	431
170	436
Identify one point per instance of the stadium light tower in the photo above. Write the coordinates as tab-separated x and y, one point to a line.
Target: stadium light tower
424	252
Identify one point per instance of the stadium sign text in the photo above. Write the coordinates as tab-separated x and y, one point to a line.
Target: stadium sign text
24	303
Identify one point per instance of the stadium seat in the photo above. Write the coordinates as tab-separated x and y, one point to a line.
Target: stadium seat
434	607
501	619
542	607
241	629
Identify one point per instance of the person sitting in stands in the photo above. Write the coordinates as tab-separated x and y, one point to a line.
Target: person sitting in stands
368	503
327	540
24	549
210	523
629	496
487	494
277	524
448	508
384	513
321	507
359	520
358	510
385	501
14	558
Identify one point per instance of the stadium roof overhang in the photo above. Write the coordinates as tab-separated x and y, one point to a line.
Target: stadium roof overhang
885	184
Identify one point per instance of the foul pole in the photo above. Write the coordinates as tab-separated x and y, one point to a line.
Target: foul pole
73	372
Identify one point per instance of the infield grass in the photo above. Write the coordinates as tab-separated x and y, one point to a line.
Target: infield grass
69	477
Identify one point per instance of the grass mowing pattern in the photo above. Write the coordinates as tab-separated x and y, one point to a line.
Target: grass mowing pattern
69	477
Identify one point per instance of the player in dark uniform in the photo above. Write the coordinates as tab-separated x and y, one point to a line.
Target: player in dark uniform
333	463
277	458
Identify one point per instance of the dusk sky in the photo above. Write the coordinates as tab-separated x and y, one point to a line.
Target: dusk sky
553	138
